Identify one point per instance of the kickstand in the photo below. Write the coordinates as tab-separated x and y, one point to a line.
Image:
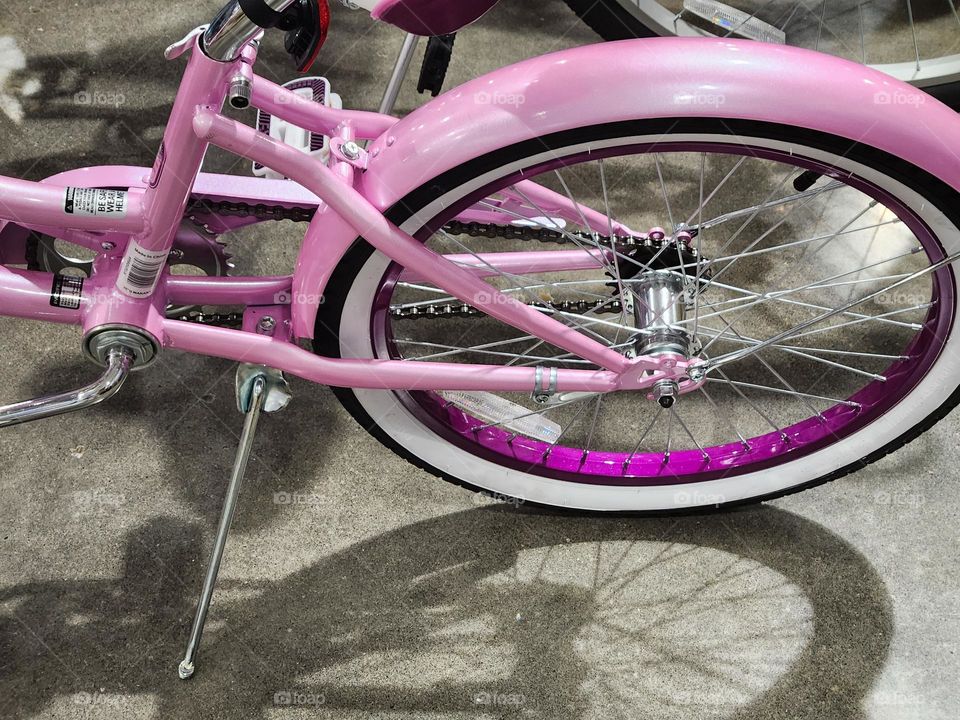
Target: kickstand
259	389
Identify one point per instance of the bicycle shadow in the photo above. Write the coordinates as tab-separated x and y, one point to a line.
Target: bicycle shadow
188	405
754	614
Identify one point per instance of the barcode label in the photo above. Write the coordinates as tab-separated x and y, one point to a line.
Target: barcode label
140	271
66	292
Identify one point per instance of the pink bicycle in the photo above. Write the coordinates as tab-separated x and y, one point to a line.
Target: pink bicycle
648	275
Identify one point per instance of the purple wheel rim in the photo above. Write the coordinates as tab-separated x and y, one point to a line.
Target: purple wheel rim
573	464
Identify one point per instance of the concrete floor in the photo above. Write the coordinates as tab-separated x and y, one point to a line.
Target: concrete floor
356	586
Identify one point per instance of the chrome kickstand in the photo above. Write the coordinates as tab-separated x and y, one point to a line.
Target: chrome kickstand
400	70
259	389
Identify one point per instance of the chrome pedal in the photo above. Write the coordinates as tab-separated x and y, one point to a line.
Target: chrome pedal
311	89
118	360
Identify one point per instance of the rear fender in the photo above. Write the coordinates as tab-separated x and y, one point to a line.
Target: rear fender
629	80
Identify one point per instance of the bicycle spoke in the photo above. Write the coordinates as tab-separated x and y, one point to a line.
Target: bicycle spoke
791	332
794	280
782	391
913	32
800	353
676	416
735	214
666	196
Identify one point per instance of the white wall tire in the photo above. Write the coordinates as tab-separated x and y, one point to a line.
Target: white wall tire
400	428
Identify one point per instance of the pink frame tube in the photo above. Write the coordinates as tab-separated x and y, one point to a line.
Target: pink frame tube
41	205
279	101
386	237
521	263
373	374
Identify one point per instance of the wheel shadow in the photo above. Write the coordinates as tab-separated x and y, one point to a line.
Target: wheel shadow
754	614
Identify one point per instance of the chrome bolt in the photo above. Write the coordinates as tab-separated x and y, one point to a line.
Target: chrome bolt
696	374
665	393
266	325
107	245
350	150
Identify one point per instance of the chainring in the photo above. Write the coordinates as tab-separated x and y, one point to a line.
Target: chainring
194	250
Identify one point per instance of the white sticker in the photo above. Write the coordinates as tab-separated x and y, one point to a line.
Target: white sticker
140	270
91	201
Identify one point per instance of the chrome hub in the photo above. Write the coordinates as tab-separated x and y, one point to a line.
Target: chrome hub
659	310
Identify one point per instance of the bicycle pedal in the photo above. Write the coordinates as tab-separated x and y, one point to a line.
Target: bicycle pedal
715	17
313	89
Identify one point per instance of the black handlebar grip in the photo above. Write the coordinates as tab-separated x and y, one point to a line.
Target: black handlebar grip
260	13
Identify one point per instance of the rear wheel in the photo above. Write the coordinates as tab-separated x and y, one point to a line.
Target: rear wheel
817	269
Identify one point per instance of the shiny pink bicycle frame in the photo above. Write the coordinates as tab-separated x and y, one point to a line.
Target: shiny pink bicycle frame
657	78
153	217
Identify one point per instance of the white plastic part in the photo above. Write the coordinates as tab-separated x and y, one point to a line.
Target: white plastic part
315	89
542	222
508	415
367	5
730	20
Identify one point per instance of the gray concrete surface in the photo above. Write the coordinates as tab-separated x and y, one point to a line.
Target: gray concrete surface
379	591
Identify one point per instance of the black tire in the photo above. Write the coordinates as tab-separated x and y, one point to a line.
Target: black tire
609	19
330	316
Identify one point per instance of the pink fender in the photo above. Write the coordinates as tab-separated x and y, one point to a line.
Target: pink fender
633	79
664	77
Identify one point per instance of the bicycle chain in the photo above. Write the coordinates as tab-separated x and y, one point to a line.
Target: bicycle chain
454	227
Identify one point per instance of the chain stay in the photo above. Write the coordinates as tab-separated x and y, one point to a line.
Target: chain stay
454	227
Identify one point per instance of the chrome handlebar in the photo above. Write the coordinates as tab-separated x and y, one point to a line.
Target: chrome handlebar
232	29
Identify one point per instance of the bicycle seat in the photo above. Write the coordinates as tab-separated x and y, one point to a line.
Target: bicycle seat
431	17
